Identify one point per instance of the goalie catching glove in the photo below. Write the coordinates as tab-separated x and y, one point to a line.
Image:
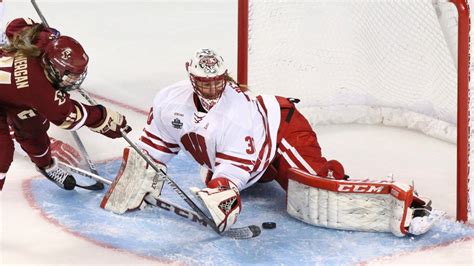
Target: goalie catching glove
222	199
134	181
361	205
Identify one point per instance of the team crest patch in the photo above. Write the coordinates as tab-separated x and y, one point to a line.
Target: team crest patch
208	62
177	123
66	54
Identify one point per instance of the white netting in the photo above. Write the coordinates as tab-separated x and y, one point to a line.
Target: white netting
342	54
390	62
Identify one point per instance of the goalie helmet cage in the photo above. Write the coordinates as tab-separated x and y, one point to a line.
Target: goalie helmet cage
396	62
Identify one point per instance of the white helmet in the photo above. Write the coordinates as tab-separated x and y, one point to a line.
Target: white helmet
208	76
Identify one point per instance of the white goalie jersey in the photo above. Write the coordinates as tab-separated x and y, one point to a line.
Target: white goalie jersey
238	145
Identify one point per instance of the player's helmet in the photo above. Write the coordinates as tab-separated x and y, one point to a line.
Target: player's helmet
208	76
65	63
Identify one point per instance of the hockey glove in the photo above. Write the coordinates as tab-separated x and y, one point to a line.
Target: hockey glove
111	124
65	152
222	199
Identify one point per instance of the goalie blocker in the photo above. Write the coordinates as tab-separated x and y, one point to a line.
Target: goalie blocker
361	205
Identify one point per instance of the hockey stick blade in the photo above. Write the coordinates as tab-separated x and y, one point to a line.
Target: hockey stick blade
236	233
243	232
94	187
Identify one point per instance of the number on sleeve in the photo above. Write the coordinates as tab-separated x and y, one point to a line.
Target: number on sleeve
5	76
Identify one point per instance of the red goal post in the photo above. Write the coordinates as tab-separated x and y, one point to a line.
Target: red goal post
251	14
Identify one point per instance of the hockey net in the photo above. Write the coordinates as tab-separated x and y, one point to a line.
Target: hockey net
400	63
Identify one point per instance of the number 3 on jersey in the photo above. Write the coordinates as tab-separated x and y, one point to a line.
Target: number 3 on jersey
250	145
195	144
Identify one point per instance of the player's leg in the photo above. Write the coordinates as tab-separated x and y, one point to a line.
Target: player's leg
6	148
30	132
298	147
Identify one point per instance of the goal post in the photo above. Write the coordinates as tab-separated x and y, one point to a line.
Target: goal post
375	61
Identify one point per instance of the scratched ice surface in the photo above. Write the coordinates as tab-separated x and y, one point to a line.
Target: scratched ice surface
165	236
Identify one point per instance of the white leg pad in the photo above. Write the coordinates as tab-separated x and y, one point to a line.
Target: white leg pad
377	206
134	181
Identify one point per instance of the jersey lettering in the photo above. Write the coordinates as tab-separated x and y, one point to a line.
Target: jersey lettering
5	76
195	144
20	73
26	114
250	144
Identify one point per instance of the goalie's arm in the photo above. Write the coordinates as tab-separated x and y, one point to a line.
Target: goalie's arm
156	141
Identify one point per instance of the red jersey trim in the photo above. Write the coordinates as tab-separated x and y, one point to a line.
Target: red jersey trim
156	146
152	136
227	157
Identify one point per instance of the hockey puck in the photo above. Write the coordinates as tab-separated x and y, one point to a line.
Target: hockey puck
269	225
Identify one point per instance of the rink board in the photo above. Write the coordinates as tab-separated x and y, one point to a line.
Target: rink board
165	237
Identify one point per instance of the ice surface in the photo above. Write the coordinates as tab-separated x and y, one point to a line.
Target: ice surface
167	237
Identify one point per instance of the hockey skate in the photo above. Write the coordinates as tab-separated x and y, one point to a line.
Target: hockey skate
58	176
424	218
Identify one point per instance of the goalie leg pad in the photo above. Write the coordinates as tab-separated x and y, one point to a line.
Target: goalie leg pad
361	205
134	181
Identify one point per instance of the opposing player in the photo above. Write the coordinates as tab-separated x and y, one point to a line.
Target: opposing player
38	68
238	139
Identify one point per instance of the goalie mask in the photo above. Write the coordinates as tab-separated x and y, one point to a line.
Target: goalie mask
65	63
208	76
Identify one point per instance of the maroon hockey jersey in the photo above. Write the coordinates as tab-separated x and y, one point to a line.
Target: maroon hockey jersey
26	90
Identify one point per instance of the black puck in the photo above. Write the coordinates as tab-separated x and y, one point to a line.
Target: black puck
269	225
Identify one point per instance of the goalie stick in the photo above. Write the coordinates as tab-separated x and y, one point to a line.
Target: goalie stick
77	139
237	233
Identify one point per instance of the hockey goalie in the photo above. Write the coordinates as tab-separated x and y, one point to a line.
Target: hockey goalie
240	140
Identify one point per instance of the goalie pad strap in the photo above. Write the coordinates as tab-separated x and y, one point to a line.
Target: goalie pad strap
379	206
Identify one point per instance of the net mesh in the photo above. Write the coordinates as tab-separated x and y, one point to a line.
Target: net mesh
390	62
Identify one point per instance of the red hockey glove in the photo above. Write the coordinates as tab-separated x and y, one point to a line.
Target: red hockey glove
65	152
332	166
111	123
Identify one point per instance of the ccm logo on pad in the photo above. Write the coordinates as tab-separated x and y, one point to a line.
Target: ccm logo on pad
360	188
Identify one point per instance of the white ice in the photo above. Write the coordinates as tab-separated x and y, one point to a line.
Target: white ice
136	48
